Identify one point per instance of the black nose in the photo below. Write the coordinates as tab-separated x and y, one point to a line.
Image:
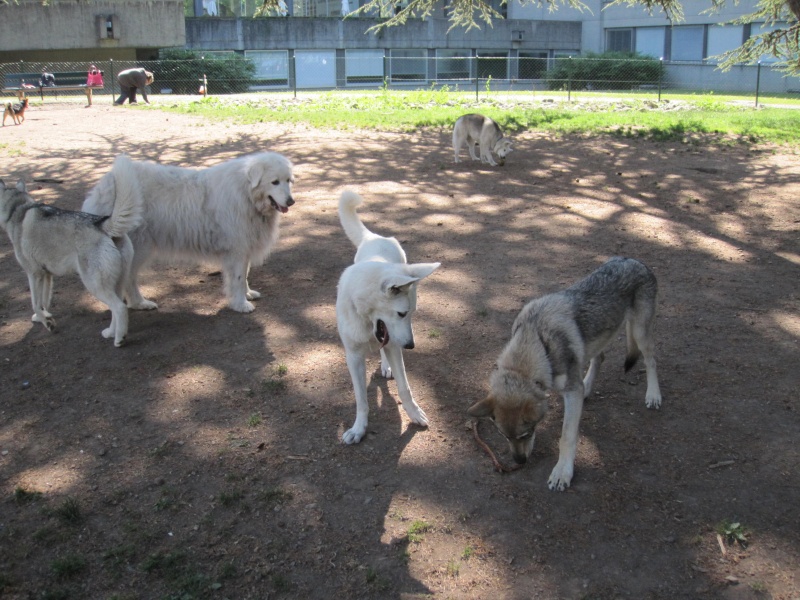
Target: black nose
290	201
520	459
409	346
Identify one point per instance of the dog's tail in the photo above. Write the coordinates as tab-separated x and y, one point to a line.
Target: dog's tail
127	211
351	223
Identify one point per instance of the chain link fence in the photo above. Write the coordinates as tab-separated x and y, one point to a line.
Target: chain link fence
290	71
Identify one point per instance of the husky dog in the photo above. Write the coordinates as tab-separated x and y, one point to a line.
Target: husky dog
16	111
226	215
552	340
49	241
376	297
474	129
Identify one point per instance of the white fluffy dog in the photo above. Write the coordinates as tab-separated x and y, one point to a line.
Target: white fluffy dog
375	301
226	215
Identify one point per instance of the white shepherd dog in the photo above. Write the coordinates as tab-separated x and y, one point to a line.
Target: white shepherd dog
376	298
226	215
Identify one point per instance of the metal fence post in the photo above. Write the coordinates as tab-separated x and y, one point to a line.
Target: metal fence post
477	77
113	79
660	76
569	80
758	81
294	70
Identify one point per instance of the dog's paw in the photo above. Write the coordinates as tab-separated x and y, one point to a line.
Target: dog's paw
107	333
49	322
120	342
253	295
386	370
144	305
653	401
560	478
418	417
243	307
353	436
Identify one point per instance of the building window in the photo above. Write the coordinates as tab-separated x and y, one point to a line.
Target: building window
272	67
650	41
363	66
407	65
619	40
452	64
687	42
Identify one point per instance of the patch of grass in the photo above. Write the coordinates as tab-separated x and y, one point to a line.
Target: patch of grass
23	496
254	420
68	566
467	553
281	370
416	530
483	313
228	499
434	334
281	583
118	557
679	119
69	512
165	501
274	496
733	532
376	581
453	568
273	386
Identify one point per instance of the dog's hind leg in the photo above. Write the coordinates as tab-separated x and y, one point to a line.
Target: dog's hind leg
395	356
640	339
386	368
591	373
357	365
38	283
251	293
561	476
102	285
131	286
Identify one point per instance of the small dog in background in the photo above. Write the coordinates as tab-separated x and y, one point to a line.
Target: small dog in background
15	110
50	241
552	340
376	298
474	129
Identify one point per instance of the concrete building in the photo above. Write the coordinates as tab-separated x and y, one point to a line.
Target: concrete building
69	31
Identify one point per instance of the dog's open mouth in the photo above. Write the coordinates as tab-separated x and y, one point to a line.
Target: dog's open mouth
278	207
381	333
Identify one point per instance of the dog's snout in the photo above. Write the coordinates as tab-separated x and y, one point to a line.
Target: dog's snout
290	201
520	459
409	345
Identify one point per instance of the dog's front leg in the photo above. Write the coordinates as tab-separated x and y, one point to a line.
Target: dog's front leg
395	356
561	476
236	288
251	294
357	365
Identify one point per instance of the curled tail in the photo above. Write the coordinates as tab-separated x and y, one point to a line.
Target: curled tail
127	209
352	225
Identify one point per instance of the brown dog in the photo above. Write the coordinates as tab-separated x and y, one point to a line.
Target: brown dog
16	111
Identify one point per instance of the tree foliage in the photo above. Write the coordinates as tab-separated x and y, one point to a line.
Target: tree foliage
183	70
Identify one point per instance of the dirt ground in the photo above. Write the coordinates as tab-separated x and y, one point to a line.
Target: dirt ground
202	460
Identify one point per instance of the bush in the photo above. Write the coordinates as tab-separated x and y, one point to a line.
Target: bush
182	72
608	71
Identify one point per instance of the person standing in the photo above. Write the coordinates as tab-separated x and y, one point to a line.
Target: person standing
129	81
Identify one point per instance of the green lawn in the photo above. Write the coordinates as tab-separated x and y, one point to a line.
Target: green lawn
674	118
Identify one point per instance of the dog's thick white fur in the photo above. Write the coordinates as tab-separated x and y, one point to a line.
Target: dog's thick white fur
376	299
50	241
226	215
477	129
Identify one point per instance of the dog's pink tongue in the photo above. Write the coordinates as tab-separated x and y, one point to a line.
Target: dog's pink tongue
283	209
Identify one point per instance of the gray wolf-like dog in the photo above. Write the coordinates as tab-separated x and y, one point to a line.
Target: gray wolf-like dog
50	241
474	129
226	215
552	340
376	298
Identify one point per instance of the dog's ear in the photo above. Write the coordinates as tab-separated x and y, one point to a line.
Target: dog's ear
421	270
21	186
396	283
484	408
255	173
